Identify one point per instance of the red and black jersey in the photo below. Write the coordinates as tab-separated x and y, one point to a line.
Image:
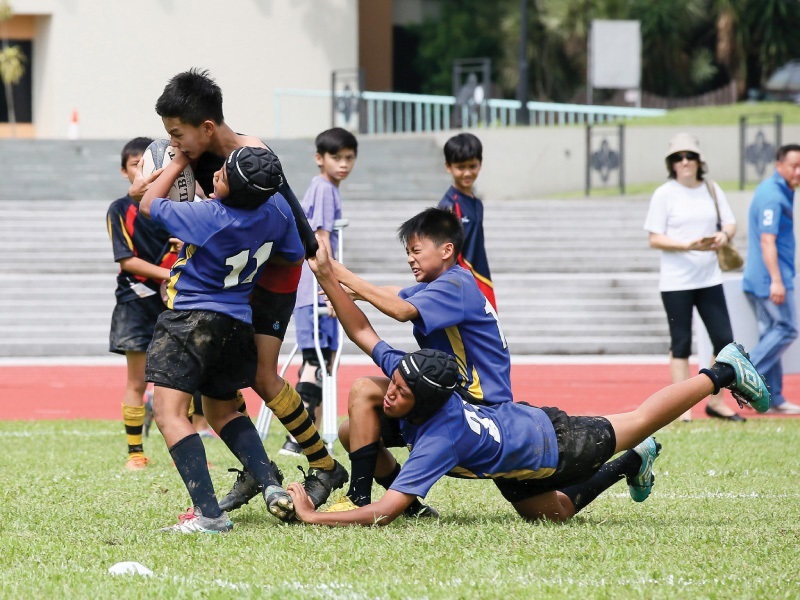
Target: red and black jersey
473	254
132	235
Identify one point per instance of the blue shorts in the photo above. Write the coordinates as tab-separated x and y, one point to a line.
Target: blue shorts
304	327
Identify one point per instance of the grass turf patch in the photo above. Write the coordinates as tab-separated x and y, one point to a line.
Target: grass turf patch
723	522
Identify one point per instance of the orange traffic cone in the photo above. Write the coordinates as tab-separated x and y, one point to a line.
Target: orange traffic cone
73	132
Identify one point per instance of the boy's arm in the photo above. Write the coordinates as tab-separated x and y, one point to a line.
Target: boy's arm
385	299
382	512
324	237
141	267
354	322
160	187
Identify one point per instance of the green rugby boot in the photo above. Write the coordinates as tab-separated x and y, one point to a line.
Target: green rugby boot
639	485
749	387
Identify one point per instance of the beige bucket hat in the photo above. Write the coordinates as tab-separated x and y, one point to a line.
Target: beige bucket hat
684	142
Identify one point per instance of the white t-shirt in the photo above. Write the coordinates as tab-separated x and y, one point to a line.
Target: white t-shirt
686	214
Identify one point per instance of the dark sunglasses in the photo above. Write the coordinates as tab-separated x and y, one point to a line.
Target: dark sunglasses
679	156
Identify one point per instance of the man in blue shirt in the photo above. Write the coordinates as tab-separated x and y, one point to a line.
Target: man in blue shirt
769	271
205	342
547	464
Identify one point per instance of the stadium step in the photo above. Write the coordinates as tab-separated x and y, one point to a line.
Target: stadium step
571	275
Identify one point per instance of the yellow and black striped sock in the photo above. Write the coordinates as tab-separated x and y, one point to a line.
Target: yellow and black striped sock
289	409
241	405
133	417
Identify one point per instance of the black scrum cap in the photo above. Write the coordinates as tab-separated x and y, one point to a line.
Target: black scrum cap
254	175
433	376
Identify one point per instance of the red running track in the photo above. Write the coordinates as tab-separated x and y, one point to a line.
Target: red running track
95	392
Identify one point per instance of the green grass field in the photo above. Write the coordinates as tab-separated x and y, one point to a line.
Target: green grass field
723	522
728	114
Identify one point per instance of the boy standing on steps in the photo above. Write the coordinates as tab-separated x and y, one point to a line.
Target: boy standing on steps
463	156
336	154
144	253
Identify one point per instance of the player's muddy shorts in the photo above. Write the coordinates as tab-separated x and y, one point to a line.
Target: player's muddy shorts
204	351
271	311
584	445
133	323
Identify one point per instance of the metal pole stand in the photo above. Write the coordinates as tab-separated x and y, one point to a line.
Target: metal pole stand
329	429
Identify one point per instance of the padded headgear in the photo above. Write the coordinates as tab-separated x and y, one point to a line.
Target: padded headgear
433	376
254	175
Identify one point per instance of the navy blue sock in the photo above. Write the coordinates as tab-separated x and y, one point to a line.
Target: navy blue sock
582	494
190	460
241	436
362	470
387	481
720	374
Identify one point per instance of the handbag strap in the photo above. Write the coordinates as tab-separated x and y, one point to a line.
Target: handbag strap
713	192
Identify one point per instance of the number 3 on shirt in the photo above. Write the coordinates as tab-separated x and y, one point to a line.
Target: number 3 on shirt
238	262
476	422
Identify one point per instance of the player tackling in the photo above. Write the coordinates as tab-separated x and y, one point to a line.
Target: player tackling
547	464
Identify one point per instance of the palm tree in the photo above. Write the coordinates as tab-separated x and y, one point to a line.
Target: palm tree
12	64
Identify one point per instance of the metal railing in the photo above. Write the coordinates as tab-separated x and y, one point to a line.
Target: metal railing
387	112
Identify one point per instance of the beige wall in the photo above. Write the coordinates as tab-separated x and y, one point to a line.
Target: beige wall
111	60
535	162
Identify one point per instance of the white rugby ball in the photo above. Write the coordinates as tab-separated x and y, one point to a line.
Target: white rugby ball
159	154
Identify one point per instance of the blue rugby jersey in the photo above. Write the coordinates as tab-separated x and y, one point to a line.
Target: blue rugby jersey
457	318
502	441
224	251
134	235
771	211
473	255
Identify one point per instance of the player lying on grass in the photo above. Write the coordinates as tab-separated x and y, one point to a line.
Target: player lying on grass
205	342
547	464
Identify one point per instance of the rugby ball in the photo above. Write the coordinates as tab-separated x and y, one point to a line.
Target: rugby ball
159	154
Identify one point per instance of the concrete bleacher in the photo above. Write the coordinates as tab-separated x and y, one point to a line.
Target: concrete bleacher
572	276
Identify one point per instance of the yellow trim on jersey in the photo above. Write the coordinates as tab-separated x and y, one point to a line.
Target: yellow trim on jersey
519	474
477	275
454	336
124	232
176	269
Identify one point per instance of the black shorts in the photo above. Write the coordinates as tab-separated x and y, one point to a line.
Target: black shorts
271	311
391	436
584	445
204	351
133	324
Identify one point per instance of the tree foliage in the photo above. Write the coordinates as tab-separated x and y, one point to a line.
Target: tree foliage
688	46
12	62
